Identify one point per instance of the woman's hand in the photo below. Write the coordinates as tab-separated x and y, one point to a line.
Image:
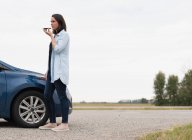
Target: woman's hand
48	32
45	76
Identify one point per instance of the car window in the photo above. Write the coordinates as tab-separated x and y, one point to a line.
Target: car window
3	67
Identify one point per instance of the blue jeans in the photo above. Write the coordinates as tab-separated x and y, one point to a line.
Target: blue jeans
64	102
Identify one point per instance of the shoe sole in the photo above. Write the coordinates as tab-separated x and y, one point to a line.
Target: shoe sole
59	130
45	128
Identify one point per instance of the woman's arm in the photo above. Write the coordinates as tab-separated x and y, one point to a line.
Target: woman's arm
50	34
61	42
53	41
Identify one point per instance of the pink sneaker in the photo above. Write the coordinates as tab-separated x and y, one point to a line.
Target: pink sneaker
48	126
61	127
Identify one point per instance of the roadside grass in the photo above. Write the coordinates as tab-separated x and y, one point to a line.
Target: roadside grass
117	106
177	133
76	108
110	104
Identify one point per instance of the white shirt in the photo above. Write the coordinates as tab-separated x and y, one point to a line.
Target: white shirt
60	58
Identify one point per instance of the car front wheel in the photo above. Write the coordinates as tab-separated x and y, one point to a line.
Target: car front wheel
29	109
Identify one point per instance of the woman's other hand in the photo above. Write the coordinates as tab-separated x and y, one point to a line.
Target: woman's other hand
45	76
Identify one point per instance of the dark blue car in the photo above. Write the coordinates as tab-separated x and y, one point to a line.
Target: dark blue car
21	97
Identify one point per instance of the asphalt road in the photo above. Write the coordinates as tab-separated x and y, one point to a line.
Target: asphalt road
102	125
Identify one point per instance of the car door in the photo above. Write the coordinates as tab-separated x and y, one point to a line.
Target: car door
2	88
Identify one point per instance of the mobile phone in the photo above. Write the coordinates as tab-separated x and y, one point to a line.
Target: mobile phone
46	29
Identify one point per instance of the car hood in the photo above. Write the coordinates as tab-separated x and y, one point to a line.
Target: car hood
32	73
25	72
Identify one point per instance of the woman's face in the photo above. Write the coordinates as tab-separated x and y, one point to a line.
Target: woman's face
54	23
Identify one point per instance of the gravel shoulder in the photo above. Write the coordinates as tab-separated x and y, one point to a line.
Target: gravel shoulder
103	125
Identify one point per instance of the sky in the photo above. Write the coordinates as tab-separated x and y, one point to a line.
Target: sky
116	46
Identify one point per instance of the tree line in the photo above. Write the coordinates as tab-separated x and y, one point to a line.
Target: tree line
171	91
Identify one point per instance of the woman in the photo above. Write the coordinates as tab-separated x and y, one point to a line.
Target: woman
57	75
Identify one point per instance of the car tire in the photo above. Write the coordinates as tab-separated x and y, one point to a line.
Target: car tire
29	109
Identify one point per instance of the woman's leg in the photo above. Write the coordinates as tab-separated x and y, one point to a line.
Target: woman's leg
61	91
48	94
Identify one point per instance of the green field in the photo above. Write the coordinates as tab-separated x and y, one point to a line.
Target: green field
177	133
117	106
109	104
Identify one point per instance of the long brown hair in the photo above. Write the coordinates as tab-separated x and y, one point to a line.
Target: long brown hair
62	25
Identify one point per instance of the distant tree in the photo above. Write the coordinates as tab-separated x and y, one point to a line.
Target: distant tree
159	87
136	101
124	101
172	89
144	100
83	102
185	90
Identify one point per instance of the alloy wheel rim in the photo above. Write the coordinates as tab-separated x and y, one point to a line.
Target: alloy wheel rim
32	109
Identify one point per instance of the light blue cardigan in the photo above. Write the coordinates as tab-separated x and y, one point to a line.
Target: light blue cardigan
60	58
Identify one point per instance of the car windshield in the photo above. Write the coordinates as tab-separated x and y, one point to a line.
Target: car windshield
2	67
7	66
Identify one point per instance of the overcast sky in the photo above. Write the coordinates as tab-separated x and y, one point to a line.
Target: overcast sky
117	46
